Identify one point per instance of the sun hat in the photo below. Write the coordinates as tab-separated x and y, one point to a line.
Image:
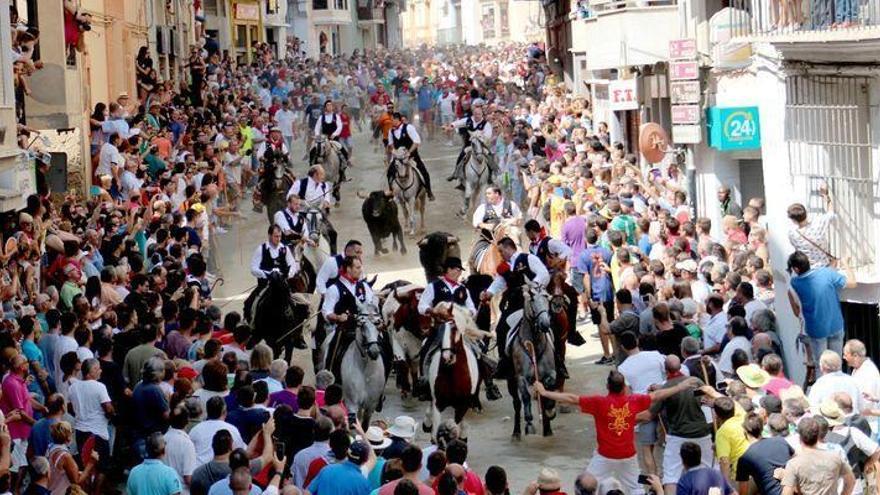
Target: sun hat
792	392
752	375
832	412
548	480
376	438
403	427
687	265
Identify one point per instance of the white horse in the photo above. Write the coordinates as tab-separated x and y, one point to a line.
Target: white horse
476	171
453	372
329	154
362	368
409	190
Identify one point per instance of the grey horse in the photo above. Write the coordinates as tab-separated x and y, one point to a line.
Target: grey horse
362	368
476	172
329	154
408	189
532	345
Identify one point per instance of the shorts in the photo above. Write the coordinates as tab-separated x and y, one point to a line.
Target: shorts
102	447
672	466
19	454
446	118
646	433
625	471
609	312
576	279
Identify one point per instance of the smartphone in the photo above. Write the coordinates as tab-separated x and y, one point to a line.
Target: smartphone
280	449
643	479
352	419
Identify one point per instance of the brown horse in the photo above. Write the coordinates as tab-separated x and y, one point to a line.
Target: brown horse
563	312
408	328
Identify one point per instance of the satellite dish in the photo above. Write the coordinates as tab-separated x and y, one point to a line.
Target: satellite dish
653	142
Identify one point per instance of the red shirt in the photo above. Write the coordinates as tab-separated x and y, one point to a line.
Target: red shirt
615	421
346	126
472	484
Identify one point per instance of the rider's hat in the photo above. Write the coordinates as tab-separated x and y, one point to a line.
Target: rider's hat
452	262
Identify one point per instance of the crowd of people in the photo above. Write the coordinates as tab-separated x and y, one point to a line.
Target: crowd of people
119	370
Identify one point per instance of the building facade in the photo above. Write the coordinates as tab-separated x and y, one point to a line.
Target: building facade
472	22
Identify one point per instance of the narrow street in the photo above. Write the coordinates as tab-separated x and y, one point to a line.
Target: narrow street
574	440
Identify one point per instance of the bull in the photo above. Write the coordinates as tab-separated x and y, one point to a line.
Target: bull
434	248
380	213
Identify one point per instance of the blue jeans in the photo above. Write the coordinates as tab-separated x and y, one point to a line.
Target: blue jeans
845	10
818	346
821	13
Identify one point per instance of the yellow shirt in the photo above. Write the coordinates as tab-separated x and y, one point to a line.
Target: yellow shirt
730	441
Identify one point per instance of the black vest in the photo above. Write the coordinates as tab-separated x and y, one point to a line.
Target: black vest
489	215
268	263
304	186
471	126
542	250
296	227
519	272
328	128
348	302
442	293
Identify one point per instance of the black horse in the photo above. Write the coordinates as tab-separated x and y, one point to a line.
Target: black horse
276	318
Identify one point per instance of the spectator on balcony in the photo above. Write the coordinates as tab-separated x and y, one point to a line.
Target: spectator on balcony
810	235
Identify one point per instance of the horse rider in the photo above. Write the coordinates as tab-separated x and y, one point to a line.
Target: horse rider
275	145
405	136
448	289
552	252
340	308
493	211
316	193
475	122
292	222
517	270
329	271
270	257
329	125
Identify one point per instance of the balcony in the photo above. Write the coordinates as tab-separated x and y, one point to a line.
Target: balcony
801	21
618	33
370	13
331	12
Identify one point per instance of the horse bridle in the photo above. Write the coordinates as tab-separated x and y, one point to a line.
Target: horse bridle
362	349
401	162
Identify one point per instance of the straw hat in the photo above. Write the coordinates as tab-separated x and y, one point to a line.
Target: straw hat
376	437
752	375
548	480
832	412
403	427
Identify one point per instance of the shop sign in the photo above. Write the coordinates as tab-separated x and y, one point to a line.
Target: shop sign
686	134
247	11
653	142
683	71
685	49
736	128
622	95
682	92
685	114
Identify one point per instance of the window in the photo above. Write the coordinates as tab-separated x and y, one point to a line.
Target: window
828	131
319	4
488	20
272	7
503	15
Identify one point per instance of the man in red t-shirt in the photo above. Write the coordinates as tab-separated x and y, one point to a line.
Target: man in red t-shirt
615	415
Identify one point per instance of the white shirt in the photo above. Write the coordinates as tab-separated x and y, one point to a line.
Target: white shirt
87	396
487	130
556	248
753	307
328	118
300	467
714	330
280	219
64	345
868	380
203	433
108	159
272	384
331	297
724	361
410	131
542	276
831	383
329	270
427	298
83	353
316	192
643	369
273	252
180	454
480	212
446	103
285	120
129	183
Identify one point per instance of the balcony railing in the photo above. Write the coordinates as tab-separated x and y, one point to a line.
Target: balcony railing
750	18
589	9
370	13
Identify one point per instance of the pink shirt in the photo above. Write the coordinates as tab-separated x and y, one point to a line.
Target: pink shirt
776	385
16	396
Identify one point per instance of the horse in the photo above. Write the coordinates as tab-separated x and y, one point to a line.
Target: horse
453	373
476	172
485	255
563	314
311	255
362	370
275	181
530	344
408	329
276	314
408	189
328	153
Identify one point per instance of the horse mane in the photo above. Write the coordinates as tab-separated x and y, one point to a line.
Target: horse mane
463	321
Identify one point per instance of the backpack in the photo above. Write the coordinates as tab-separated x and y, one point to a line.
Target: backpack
854	455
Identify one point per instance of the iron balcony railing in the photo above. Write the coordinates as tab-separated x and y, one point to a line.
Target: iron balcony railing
749	18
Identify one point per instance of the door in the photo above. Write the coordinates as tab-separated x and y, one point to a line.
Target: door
751	179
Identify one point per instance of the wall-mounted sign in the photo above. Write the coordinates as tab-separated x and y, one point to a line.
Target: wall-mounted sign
683	71
653	142
736	128
622	95
685	114
683	92
247	11
686	134
683	49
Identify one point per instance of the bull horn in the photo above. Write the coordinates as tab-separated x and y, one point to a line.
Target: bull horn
422	242
362	194
451	239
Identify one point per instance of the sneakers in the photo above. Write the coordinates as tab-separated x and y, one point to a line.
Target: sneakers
220	230
605	360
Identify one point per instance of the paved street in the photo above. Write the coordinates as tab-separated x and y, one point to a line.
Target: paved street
574	437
